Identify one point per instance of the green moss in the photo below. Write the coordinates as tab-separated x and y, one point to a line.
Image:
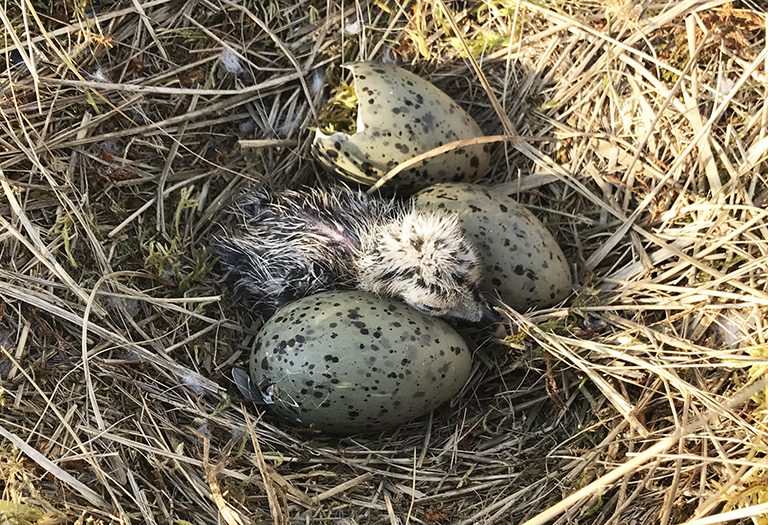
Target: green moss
18	514
170	259
755	492
484	43
339	115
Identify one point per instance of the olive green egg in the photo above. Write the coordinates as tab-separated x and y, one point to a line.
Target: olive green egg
400	115
348	362
521	259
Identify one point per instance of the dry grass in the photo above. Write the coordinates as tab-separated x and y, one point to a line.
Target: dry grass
642	400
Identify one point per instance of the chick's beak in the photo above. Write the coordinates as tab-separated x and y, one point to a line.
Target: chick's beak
488	314
473	309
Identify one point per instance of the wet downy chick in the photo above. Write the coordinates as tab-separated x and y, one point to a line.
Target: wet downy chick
424	259
290	244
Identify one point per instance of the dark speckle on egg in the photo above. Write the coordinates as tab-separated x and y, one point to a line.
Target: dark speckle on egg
380	365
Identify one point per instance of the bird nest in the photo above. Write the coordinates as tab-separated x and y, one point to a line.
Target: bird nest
127	127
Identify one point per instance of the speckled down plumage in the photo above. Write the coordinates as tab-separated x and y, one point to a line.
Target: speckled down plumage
290	244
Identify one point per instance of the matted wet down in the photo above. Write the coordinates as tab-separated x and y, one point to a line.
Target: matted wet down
636	132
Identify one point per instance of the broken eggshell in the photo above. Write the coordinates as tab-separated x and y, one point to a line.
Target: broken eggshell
399	116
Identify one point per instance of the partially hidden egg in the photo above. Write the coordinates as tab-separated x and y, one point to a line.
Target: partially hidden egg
349	361
400	115
521	259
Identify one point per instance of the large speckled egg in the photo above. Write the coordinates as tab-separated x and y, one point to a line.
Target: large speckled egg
349	361
400	115
521	258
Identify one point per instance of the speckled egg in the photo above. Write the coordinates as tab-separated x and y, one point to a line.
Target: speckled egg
349	361
400	115
522	259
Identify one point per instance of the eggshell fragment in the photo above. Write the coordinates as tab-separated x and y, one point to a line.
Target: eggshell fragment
400	115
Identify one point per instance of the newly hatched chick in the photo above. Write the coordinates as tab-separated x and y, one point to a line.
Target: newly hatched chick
291	244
